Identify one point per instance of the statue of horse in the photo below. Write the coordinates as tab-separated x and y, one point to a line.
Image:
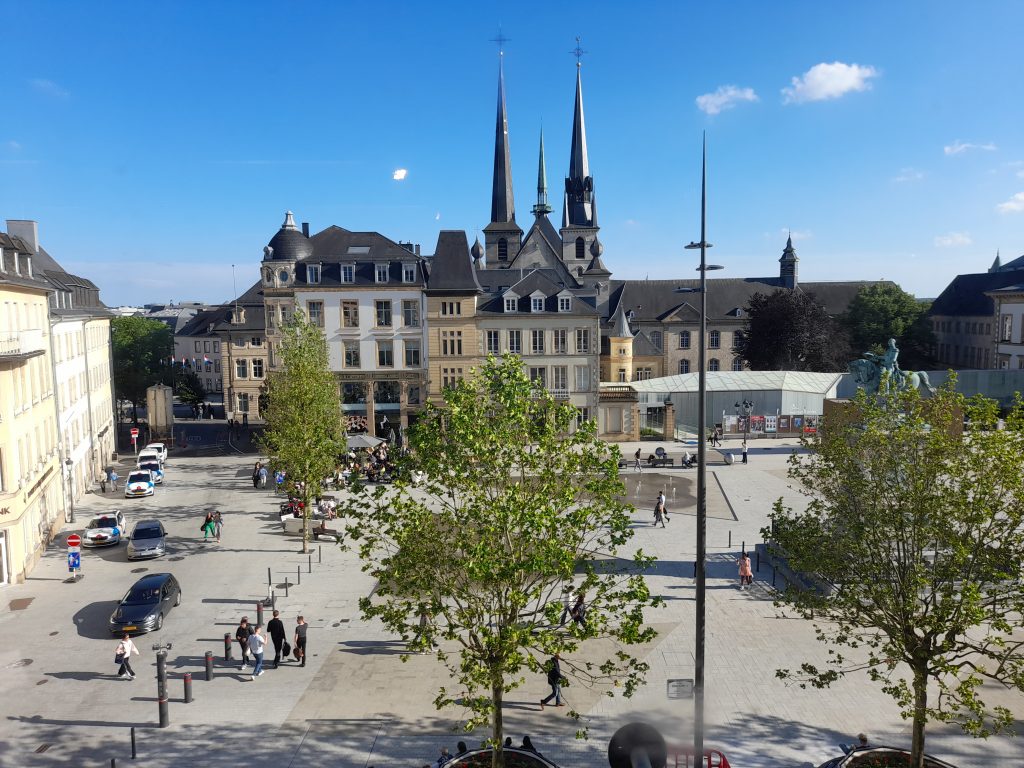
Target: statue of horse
867	375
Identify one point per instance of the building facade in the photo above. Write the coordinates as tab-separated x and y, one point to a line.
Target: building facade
197	345
244	353
1009	325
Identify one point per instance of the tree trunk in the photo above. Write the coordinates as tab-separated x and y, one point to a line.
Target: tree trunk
498	730
920	716
305	520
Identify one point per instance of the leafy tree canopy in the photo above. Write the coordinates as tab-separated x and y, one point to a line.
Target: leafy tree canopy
789	330
188	386
883	311
303	434
918	527
517	510
142	348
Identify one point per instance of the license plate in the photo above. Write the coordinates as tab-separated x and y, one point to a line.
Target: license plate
128	628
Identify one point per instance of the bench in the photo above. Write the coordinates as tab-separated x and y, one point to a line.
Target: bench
329	533
664	461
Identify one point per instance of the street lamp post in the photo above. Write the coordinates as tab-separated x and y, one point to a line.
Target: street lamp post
702	499
746	408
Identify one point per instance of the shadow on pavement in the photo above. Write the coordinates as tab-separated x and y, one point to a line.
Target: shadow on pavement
92	620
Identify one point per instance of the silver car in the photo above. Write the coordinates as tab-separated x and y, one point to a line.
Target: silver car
148	539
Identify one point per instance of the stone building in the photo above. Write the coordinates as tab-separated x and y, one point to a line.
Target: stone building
240	328
1009	337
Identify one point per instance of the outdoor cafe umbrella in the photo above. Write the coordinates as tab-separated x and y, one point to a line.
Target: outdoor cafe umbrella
362	441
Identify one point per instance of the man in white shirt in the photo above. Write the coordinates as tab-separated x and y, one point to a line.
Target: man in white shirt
256	644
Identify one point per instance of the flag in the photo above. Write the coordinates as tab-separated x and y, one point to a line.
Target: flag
206	359
183	361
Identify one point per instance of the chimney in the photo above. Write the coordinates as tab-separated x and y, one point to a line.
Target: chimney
27	230
305	228
417	249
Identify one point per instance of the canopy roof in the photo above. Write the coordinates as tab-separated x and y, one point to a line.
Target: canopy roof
737	381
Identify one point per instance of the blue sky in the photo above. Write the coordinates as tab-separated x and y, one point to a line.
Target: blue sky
158	144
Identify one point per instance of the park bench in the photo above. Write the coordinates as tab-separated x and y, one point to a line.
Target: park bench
661	461
329	533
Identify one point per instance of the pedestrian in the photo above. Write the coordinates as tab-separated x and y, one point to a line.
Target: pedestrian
263	477
207	528
300	640
862	742
257	642
636	461
460	748
659	514
743	448
576	610
508	742
256	475
279	481
718	437
242	632
555	681
528	745
218	524
664	509
444	757
113	479
746	575
122	656
275	628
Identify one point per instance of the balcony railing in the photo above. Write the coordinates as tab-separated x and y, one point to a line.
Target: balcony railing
559	393
23	344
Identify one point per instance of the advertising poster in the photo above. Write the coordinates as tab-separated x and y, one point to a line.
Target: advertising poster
757	425
784	424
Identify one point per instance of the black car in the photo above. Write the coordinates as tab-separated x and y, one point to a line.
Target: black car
144	606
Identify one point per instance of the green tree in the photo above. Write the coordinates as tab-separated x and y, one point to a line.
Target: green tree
917	528
883	311
188	386
142	348
788	330
514	514
303	433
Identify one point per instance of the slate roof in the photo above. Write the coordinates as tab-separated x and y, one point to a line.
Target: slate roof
1009	266
644	347
965	296
451	267
255	317
495	282
203	324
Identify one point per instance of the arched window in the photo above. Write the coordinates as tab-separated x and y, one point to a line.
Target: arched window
684	339
503	249
713	364
684	366
737	364
581	248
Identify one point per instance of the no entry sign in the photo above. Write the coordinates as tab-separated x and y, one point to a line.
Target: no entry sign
74	540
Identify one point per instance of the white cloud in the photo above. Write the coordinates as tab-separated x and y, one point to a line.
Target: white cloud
828	81
1014	205
953	240
908	174
13	145
726	97
399	174
49	88
958	147
437	216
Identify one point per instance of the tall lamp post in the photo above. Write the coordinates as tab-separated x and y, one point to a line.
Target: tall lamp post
745	408
702	498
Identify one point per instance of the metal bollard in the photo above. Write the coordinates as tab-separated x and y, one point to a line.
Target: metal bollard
161	688
730	539
758	553
259	613
209	666
286	586
273	600
134	753
270	582
310	564
743	546
188	687
227	646
113	762
319	554
298	574
695	569
775	568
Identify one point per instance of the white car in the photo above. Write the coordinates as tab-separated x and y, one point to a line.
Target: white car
139	483
147	455
104	530
159	448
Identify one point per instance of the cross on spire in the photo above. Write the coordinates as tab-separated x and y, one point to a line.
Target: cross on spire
578	50
501	40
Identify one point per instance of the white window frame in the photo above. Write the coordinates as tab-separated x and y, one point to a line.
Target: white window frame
565	303
536	303
408	273
313	274
380	272
511	304
348	273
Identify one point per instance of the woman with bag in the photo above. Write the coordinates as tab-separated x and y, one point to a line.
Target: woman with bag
207	527
122	656
659	514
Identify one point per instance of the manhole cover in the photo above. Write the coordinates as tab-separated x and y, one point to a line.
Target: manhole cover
42	682
18	663
175	559
20	604
139	570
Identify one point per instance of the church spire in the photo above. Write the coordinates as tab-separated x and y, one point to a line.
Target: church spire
579	185
502	206
542	208
788	264
997	264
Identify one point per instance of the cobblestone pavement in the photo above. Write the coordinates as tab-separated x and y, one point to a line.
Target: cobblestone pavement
356	703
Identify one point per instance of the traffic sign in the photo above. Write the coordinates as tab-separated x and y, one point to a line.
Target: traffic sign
74	540
74	561
135	431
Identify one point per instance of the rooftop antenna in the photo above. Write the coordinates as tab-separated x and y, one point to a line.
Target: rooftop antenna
234	289
501	40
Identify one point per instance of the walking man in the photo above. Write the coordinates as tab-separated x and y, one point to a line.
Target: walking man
242	633
256	644
300	639
218	524
555	681
275	628
123	655
743	448
256	474
263	477
636	461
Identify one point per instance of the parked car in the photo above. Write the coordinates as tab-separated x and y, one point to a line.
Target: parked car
144	606
514	758
104	530
867	756
159	448
155	468
148	455
148	539
139	483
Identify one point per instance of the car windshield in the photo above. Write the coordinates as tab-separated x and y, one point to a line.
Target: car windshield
152	466
149	532
138	477
103	522
141	596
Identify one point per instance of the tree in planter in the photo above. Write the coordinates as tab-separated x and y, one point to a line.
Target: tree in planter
514	514
303	433
141	350
919	526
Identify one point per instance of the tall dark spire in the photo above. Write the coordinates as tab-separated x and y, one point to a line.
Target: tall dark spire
542	208
503	208
788	265
579	185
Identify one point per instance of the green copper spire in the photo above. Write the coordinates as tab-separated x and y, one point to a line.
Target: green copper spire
542	208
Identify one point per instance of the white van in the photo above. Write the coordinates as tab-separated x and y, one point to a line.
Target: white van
160	448
148	454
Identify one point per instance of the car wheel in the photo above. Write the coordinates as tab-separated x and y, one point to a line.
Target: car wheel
177	600
159	621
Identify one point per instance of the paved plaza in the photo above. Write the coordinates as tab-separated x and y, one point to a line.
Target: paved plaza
356	704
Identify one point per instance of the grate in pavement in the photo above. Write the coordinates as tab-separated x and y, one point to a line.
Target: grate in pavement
18	663
20	604
139	570
42	748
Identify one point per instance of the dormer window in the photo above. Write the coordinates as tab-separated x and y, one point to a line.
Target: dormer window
565	304
348	273
408	273
312	274
511	304
537	304
382	273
